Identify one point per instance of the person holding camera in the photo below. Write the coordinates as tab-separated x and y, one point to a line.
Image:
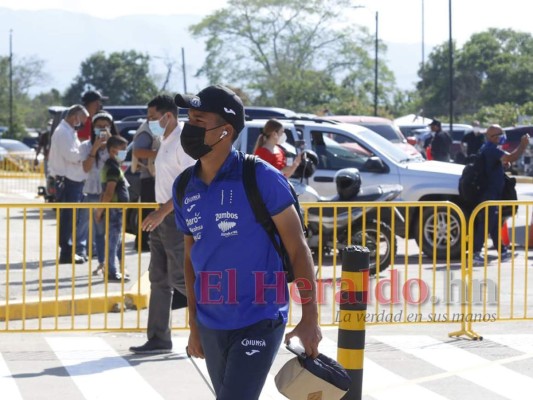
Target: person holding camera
268	147
94	155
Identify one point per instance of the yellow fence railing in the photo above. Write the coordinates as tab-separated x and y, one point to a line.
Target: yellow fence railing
20	174
422	271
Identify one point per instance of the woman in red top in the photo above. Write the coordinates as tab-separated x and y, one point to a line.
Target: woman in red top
268	149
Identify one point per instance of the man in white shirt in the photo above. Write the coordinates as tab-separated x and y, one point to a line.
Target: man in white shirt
65	163
166	271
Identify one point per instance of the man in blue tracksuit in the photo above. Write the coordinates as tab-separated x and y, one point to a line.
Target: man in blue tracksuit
236	288
495	161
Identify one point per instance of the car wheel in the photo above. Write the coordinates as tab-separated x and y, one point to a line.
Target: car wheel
435	230
378	241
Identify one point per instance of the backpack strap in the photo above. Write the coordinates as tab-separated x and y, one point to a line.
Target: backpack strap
259	209
183	181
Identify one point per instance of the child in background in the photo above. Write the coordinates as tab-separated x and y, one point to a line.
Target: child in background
114	189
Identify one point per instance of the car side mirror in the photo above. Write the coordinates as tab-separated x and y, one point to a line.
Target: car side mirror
375	164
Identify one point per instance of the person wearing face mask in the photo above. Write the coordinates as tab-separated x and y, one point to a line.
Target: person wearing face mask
166	243
114	189
237	292
95	154
92	100
495	162
268	148
66	165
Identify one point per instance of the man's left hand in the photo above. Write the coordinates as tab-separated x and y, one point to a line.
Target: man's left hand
153	220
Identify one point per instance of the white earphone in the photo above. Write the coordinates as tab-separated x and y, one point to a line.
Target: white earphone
224	133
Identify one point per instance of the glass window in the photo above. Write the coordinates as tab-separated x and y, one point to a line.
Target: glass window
337	151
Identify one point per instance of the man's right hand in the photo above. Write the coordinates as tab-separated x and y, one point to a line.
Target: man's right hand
195	346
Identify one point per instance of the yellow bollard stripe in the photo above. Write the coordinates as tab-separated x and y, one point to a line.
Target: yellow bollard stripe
354	282
352	320
350	359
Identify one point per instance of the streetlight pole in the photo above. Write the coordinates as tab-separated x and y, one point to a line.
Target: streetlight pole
422	69
376	67
183	69
450	64
11	83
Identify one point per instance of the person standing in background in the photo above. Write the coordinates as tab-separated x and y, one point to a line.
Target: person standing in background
95	155
166	242
65	163
268	148
440	142
93	102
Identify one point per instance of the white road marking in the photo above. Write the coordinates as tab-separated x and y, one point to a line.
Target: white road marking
99	371
8	386
379	382
466	365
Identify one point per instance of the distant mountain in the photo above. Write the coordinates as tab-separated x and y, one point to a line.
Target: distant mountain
64	39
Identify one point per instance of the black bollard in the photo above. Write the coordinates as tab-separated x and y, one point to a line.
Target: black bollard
352	315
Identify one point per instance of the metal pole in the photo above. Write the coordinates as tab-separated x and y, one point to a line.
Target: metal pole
183	69
351	317
423	72
11	133
451	64
376	68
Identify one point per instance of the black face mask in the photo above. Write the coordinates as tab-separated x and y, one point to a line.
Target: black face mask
193	138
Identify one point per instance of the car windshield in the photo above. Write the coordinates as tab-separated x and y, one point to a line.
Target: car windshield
385	146
338	150
386	131
14	146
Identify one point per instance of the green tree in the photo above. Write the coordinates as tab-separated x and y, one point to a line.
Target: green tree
122	76
28	72
493	67
299	54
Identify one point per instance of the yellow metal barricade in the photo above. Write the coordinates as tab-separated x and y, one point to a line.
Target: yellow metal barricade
418	261
423	270
499	287
20	175
38	293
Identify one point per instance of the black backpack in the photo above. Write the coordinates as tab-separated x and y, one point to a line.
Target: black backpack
258	207
473	180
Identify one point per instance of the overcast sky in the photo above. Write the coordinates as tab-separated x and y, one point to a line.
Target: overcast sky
399	20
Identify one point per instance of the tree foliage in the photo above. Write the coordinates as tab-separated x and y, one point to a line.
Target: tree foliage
493	67
298	54
122	76
28	72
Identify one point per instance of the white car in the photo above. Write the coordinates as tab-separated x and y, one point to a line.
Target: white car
379	162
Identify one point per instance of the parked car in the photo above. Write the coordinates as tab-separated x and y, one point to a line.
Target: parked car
383	127
256	112
379	162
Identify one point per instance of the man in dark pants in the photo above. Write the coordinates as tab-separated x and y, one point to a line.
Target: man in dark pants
236	289
65	163
495	161
440	143
166	243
